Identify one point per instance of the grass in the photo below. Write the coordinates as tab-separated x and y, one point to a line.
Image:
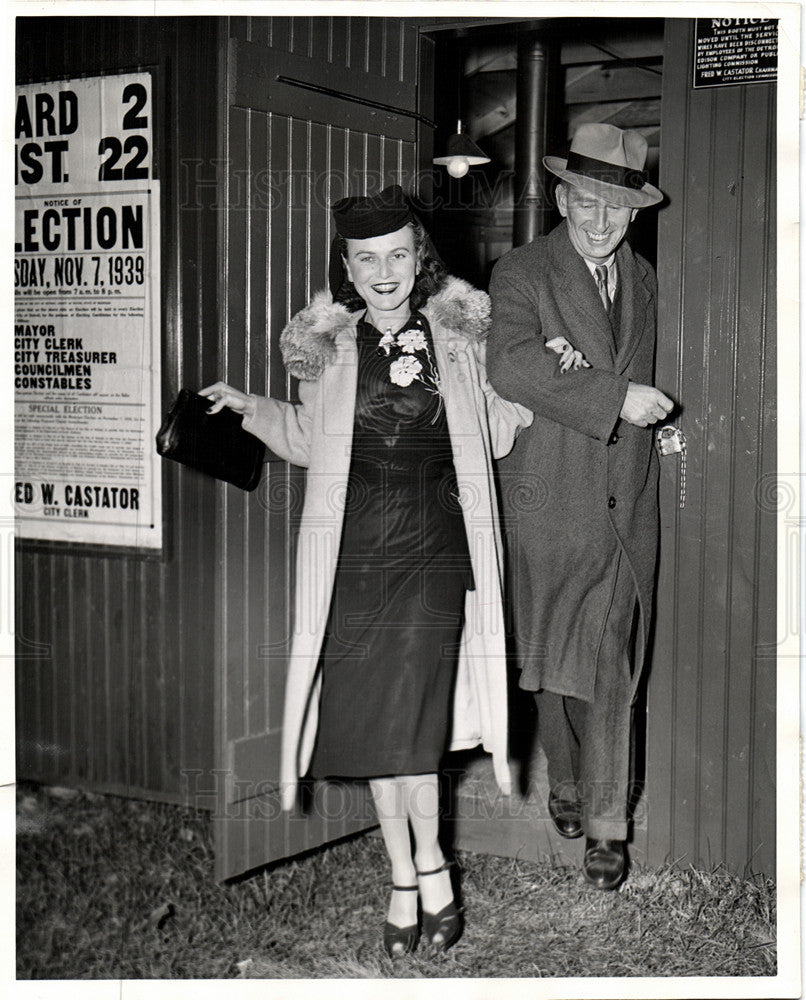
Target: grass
121	889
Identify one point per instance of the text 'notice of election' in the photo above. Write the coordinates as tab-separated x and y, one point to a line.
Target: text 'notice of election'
86	323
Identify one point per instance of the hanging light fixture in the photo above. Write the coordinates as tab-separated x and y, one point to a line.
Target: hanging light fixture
462	153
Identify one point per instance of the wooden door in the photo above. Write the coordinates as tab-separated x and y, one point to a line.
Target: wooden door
711	766
313	109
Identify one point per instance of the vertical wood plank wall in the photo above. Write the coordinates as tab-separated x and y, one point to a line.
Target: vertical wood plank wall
115	675
286	167
711	696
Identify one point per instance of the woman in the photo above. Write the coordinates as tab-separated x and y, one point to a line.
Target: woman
398	650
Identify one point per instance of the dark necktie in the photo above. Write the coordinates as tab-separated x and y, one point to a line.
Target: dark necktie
601	284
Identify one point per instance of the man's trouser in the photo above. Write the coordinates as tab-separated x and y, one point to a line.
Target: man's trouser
587	744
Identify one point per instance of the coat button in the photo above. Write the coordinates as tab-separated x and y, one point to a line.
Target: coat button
611	503
613	438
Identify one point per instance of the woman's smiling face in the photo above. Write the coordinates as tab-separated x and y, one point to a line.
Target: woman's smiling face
383	268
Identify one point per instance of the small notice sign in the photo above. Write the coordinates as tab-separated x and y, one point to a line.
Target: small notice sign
731	50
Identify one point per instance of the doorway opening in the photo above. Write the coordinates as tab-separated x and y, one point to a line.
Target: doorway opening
590	70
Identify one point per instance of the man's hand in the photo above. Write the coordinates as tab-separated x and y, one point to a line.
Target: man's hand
644	405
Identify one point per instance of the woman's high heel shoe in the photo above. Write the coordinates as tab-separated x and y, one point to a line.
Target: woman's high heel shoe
400	941
447	923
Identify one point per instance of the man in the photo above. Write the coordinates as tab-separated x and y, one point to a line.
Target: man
579	490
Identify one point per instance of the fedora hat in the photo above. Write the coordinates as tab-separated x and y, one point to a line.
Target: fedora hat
608	162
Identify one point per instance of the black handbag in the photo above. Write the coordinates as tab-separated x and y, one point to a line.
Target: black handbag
214	444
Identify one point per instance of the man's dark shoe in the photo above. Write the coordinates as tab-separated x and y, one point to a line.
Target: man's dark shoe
605	863
566	817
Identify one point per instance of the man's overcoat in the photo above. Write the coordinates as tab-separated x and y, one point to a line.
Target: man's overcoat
580	486
319	348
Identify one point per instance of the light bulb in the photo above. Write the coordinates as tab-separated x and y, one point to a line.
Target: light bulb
458	166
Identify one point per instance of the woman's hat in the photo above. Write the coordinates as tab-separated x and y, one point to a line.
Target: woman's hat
361	217
608	162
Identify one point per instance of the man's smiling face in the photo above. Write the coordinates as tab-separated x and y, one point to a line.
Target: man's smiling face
595	226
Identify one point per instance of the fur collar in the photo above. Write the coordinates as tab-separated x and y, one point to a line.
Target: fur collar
308	342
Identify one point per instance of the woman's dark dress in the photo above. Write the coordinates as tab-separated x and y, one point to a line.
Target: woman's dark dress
390	650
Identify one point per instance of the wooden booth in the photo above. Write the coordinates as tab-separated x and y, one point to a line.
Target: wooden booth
159	672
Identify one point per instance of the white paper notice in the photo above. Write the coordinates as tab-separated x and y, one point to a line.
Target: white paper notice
87	321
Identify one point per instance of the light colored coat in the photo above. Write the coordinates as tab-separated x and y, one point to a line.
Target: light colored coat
319	348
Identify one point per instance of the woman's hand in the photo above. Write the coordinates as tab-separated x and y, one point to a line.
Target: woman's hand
223	395
569	357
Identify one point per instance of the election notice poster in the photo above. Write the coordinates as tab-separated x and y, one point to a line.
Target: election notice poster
86	323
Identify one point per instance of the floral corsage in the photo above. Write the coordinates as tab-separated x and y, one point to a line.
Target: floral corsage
410	357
